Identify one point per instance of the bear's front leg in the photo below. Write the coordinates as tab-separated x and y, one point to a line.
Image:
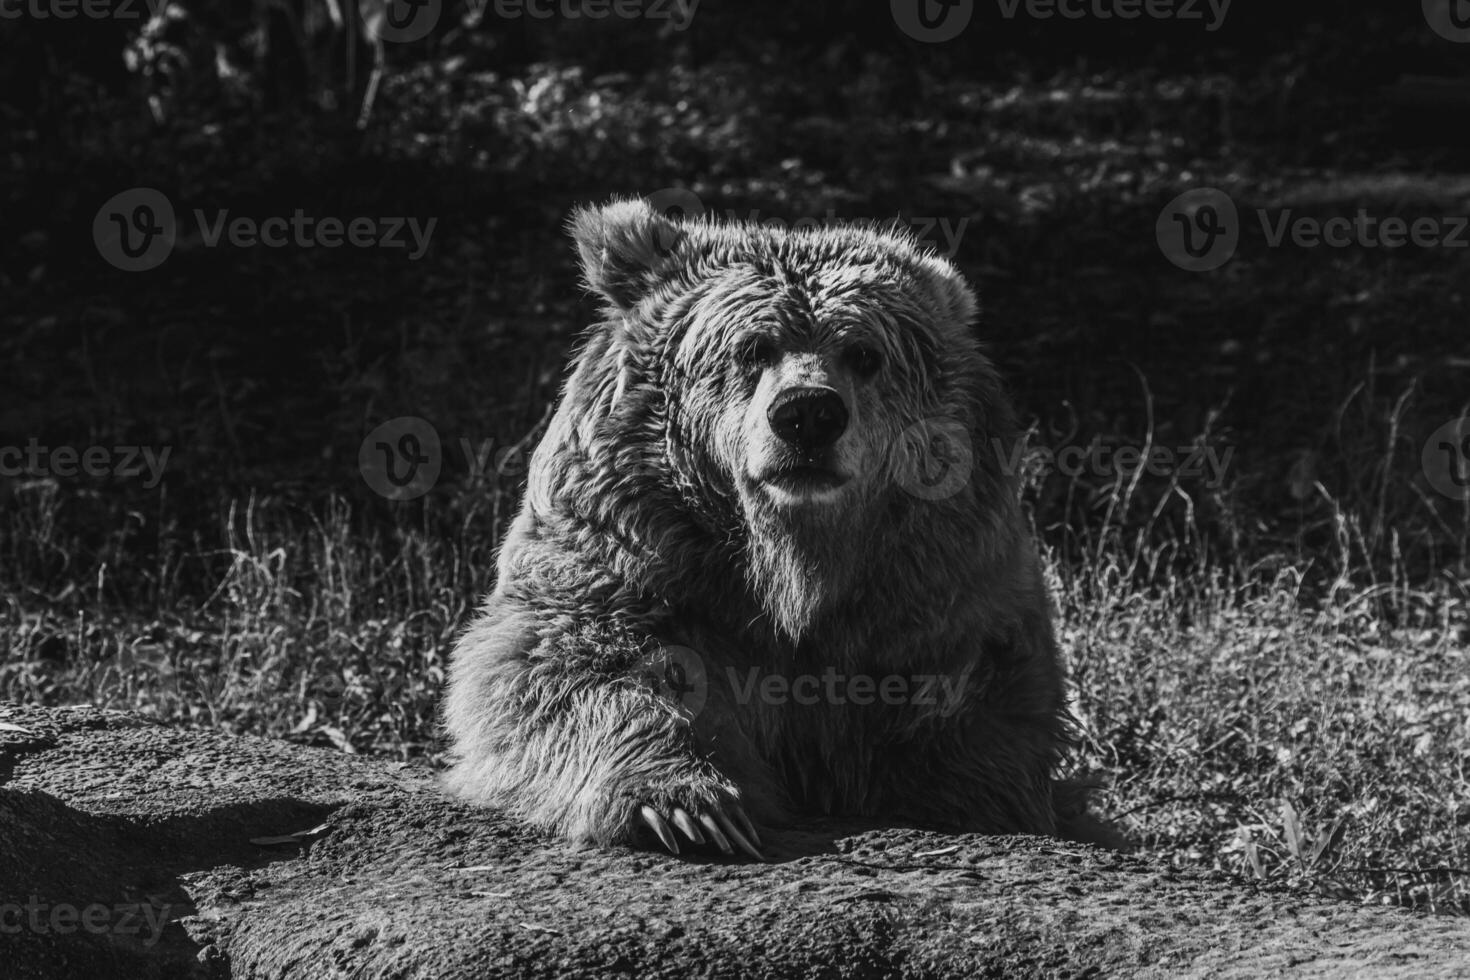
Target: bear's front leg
957	780
560	726
984	742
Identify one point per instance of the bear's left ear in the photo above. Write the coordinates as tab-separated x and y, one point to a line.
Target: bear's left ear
624	247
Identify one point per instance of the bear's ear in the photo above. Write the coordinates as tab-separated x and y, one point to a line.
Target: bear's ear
956	298
624	247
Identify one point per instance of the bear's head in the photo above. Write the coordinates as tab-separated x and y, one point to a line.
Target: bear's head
773	398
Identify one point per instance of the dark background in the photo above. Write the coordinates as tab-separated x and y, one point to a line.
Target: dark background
1058	140
263	585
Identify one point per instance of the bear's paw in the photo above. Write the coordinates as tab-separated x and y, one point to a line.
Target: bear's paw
705	813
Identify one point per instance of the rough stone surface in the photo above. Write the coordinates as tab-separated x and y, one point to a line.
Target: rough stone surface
150	830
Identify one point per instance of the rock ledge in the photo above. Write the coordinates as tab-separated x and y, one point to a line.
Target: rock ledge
129	849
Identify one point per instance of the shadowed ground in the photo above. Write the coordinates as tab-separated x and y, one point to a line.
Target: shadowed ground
387	878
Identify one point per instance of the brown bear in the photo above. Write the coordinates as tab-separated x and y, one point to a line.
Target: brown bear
762	568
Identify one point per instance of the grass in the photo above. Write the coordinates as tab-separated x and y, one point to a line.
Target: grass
1236	721
1249	721
1247	727
1271	672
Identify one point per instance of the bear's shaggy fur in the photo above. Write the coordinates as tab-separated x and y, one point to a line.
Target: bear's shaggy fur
681	500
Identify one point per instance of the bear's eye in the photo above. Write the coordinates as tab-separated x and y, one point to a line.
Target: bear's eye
864	360
757	352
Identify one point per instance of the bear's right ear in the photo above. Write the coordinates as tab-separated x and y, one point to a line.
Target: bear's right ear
624	247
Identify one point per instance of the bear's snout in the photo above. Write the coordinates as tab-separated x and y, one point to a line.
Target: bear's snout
808	419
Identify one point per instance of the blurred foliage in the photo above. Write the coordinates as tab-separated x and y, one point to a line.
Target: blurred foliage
212	92
1054	142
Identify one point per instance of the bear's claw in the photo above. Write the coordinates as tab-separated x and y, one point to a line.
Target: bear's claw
686	823
732	830
719	827
660	826
747	826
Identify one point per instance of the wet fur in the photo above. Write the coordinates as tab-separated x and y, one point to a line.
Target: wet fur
636	533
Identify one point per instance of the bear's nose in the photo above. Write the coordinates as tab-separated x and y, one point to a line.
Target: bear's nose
808	418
